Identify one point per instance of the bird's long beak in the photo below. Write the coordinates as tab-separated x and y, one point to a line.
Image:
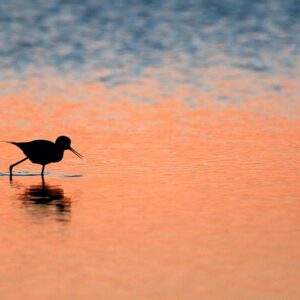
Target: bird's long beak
76	153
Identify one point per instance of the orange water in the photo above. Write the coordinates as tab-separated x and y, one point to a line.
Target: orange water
174	199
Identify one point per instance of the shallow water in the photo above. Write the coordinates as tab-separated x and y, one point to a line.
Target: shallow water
189	186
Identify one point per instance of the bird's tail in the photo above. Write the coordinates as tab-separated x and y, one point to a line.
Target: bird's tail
9	142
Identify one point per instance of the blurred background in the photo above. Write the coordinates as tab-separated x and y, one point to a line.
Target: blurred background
116	42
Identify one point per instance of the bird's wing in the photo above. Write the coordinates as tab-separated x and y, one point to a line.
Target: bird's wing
34	147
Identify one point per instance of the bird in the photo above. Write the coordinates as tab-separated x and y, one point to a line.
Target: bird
44	152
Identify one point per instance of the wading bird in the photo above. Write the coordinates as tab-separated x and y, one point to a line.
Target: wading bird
44	152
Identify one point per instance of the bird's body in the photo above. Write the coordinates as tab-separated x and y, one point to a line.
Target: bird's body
44	152
41	152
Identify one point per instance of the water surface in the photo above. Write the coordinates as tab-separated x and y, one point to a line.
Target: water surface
188	120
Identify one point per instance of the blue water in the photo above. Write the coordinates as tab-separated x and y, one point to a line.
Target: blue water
126	38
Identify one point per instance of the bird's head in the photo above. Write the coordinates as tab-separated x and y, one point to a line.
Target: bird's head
64	143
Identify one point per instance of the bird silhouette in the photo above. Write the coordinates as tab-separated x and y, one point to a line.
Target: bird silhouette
44	152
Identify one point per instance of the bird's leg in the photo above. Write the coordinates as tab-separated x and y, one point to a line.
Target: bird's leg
43	171
11	167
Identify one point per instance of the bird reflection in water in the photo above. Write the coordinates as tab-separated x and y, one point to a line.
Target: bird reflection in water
46	200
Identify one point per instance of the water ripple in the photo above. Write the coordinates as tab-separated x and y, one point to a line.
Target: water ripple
87	36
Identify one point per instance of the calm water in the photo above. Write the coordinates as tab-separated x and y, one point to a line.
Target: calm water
187	114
